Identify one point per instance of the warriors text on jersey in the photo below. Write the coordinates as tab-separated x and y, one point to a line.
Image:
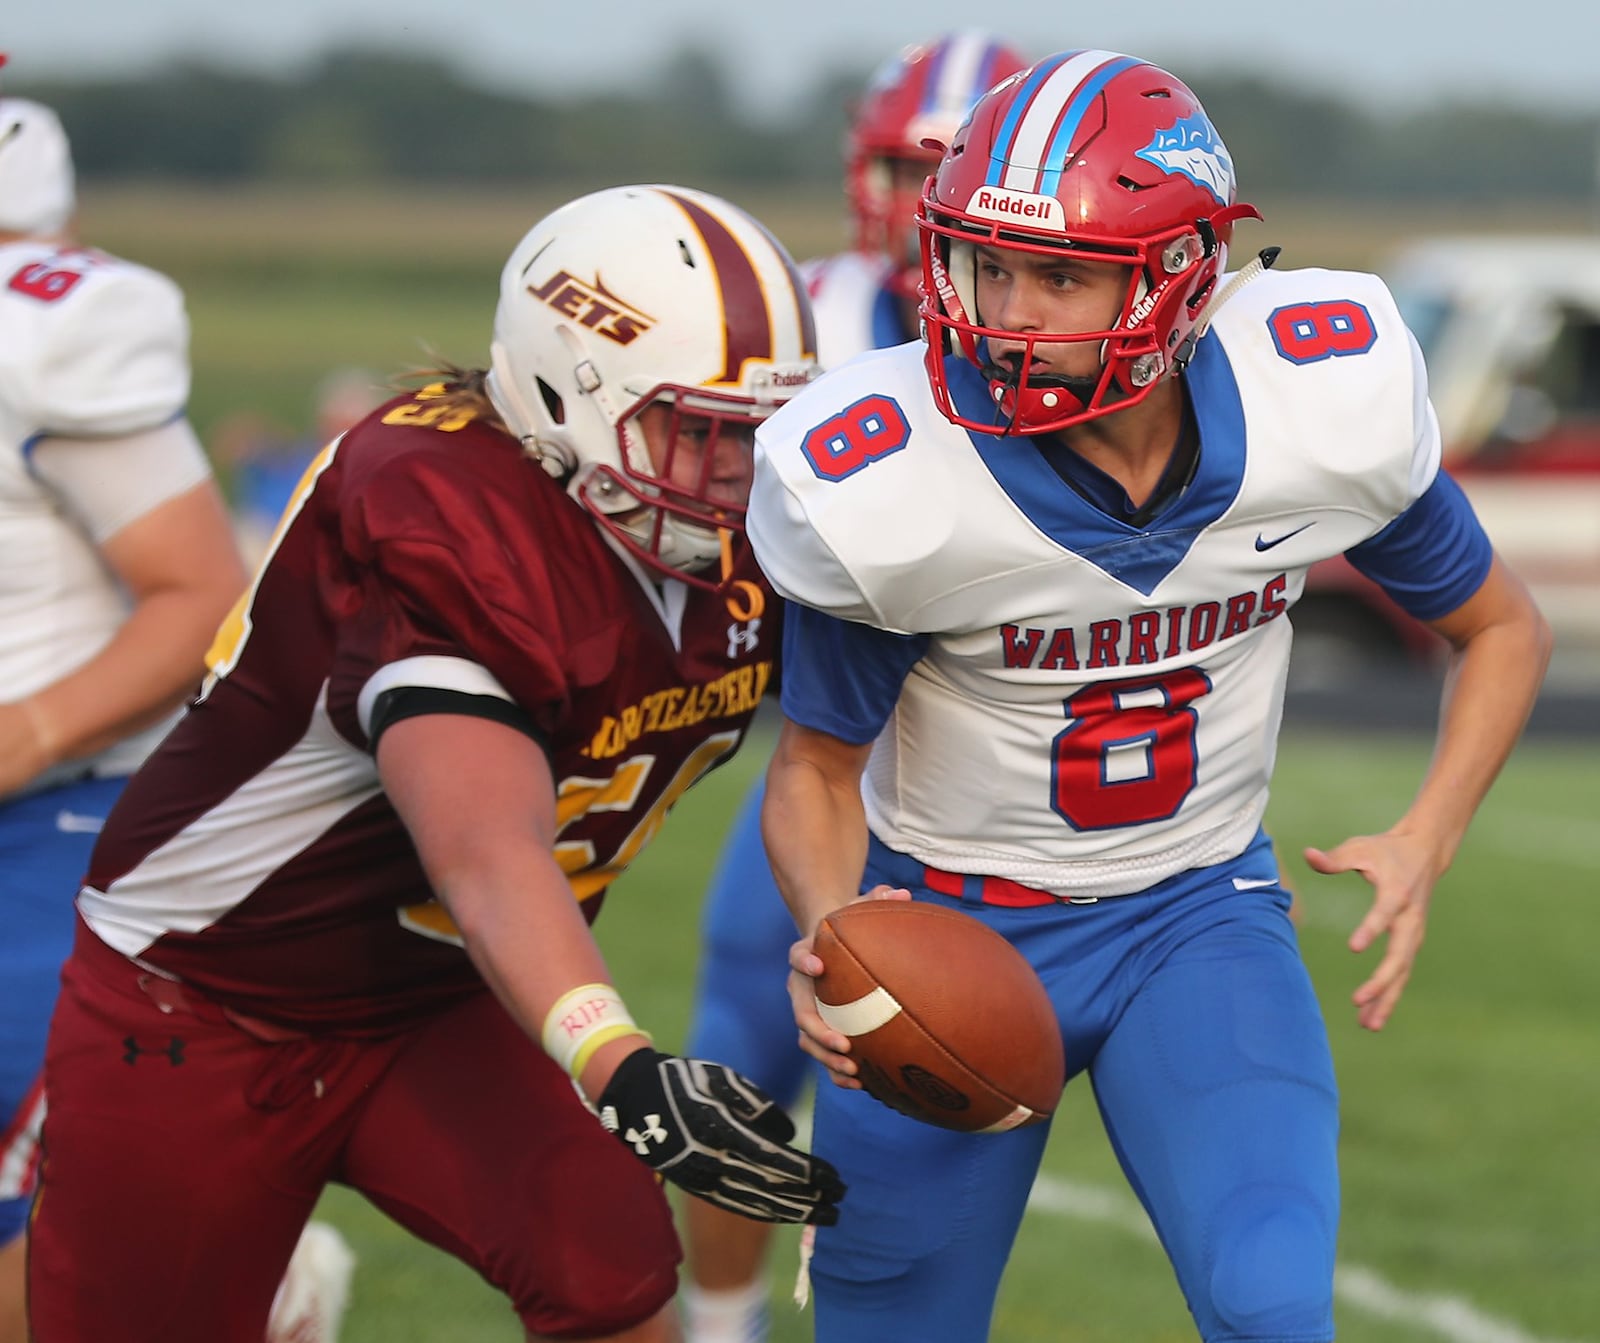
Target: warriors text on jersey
91	348
1072	701
256	856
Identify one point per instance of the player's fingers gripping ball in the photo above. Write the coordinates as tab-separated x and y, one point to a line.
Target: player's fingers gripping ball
948	1022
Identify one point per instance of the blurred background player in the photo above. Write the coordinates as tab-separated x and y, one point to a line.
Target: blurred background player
864	298
314	947
264	462
119	566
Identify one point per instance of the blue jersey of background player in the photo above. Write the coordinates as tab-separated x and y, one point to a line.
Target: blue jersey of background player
864	298
1035	657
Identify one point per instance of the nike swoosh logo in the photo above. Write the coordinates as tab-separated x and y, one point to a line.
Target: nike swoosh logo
1263	544
1253	883
76	823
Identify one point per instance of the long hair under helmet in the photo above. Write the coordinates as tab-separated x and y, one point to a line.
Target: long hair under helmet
644	296
1107	159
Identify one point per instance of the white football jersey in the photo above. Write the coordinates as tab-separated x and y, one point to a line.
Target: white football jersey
90	347
854	310
1098	705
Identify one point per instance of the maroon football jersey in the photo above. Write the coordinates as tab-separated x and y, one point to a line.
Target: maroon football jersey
256	856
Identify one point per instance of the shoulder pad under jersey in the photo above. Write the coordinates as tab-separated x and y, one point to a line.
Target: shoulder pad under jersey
857	489
1333	389
110	345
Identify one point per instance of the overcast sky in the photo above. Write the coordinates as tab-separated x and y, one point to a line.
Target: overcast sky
1542	53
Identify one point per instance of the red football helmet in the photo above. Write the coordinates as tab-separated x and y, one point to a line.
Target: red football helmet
1102	156
920	94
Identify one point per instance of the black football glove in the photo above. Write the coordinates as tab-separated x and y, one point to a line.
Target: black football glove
719	1137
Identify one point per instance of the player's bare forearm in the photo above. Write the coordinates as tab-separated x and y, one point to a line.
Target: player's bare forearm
816	836
485	840
1501	645
154	663
813	823
183	570
528	939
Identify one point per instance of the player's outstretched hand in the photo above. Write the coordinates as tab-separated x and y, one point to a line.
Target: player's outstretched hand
1402	869
719	1137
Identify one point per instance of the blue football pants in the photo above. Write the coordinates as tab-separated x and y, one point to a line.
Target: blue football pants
742	1016
45	842
1190	1009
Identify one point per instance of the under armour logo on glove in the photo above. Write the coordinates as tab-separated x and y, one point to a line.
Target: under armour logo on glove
652	1131
718	1136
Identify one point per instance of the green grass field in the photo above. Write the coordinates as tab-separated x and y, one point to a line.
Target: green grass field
1471	1143
1471	1178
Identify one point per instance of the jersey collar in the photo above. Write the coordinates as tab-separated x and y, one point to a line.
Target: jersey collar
1138	556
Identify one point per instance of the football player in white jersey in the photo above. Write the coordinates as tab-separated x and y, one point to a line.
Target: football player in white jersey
864	298
118	564
1039	572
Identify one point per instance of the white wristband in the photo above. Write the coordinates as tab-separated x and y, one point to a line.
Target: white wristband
581	1021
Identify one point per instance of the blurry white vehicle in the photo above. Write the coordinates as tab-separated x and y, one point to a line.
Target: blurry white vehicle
1510	327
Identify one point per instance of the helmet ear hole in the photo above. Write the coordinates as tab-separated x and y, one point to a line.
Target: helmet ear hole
553	404
1202	295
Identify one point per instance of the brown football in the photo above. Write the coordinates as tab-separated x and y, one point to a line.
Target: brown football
947	1021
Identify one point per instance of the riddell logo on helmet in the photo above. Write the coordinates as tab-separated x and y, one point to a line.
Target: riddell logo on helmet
1000	203
1147	305
594	306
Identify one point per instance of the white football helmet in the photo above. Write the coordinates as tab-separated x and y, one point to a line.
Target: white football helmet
644	296
36	179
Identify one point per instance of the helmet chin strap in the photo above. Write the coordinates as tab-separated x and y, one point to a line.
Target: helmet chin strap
1010	380
684	546
1008	374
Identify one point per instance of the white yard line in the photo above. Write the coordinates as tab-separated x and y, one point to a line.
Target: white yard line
1451	1318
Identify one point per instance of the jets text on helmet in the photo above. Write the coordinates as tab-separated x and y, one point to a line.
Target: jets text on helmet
593	306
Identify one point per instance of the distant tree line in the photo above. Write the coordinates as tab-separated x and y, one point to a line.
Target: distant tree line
361	117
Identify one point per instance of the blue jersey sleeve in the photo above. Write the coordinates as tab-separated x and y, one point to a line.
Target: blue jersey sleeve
1433	556
841	677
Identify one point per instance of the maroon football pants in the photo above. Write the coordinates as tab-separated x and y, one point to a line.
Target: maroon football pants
183	1155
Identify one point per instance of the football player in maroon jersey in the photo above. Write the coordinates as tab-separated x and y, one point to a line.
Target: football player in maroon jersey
506	621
